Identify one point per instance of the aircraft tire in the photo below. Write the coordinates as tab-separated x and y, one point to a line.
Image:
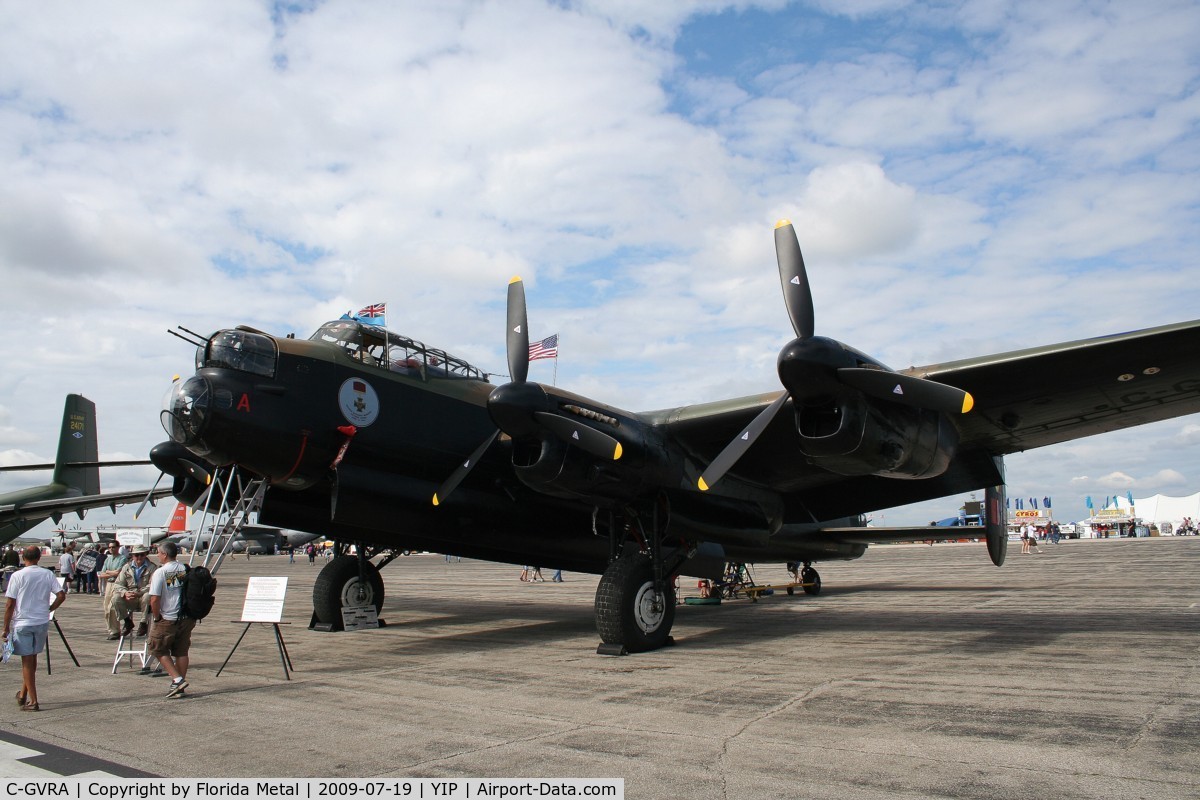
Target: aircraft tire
811	576
338	585
624	614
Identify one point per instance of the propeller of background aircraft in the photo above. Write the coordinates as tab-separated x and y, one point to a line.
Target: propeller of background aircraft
813	368
521	408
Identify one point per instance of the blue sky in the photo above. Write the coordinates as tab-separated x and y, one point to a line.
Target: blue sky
965	179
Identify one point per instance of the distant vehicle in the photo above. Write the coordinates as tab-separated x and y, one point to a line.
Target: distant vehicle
960	520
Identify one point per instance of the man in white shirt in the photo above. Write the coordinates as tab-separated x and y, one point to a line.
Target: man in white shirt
33	593
171	632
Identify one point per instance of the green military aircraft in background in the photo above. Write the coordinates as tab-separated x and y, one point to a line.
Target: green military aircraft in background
75	485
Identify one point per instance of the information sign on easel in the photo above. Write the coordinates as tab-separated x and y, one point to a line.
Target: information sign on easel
264	605
264	599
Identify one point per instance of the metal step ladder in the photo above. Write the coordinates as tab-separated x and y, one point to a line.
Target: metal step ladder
228	524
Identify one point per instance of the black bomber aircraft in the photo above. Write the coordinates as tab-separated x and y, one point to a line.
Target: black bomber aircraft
75	483
377	441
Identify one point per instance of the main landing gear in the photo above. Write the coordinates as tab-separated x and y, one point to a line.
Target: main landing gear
635	600
346	581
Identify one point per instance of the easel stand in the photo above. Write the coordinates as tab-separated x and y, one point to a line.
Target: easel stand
284	658
66	644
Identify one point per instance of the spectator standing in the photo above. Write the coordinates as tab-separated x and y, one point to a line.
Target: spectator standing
171	637
66	565
33	593
109	571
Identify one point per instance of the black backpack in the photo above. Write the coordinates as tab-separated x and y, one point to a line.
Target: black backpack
199	590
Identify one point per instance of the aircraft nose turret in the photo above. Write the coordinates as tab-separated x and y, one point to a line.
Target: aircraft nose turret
185	411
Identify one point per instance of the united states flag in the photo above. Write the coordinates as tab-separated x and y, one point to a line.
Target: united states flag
546	348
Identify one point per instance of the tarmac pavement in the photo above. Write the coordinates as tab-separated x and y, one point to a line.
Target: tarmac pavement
918	672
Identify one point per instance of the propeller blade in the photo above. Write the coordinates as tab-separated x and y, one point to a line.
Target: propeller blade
149	494
585	437
202	500
518	332
906	389
463	470
195	471
737	448
797	294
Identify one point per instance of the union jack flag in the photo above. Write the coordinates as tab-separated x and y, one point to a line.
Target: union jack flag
546	348
372	314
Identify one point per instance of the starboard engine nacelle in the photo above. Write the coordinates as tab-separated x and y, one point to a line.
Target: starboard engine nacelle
858	435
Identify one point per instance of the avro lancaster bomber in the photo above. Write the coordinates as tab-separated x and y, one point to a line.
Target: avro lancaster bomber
380	442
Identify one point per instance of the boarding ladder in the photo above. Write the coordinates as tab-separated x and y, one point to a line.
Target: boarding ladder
228	521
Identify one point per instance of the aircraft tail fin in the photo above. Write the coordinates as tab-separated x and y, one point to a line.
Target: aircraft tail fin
77	446
178	522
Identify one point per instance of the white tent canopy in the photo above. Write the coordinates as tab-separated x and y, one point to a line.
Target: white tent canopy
1159	509
1156	509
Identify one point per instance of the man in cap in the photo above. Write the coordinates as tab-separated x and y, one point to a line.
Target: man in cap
130	588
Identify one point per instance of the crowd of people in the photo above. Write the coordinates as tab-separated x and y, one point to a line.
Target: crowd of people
133	587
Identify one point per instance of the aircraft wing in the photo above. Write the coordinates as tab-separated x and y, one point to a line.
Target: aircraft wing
1045	395
1023	399
38	510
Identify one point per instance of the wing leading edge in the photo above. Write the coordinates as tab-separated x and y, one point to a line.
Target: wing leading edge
1046	395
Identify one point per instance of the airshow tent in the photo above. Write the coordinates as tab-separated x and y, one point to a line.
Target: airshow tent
1156	509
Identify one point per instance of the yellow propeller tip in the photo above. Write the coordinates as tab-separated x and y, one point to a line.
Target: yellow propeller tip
703	486
783	223
968	402
617	452
515	279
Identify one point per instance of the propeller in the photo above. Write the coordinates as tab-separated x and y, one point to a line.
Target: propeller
523	408
806	369
517	341
175	460
149	496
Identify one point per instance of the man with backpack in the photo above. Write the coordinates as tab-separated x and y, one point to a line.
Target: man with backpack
171	635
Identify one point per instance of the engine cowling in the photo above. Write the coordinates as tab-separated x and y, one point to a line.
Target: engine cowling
851	434
551	466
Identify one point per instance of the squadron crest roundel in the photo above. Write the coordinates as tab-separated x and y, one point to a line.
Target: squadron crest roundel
358	401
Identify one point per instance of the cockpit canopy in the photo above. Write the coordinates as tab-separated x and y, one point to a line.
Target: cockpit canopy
377	347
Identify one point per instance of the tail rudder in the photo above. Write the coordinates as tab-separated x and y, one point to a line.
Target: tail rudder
178	522
76	445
